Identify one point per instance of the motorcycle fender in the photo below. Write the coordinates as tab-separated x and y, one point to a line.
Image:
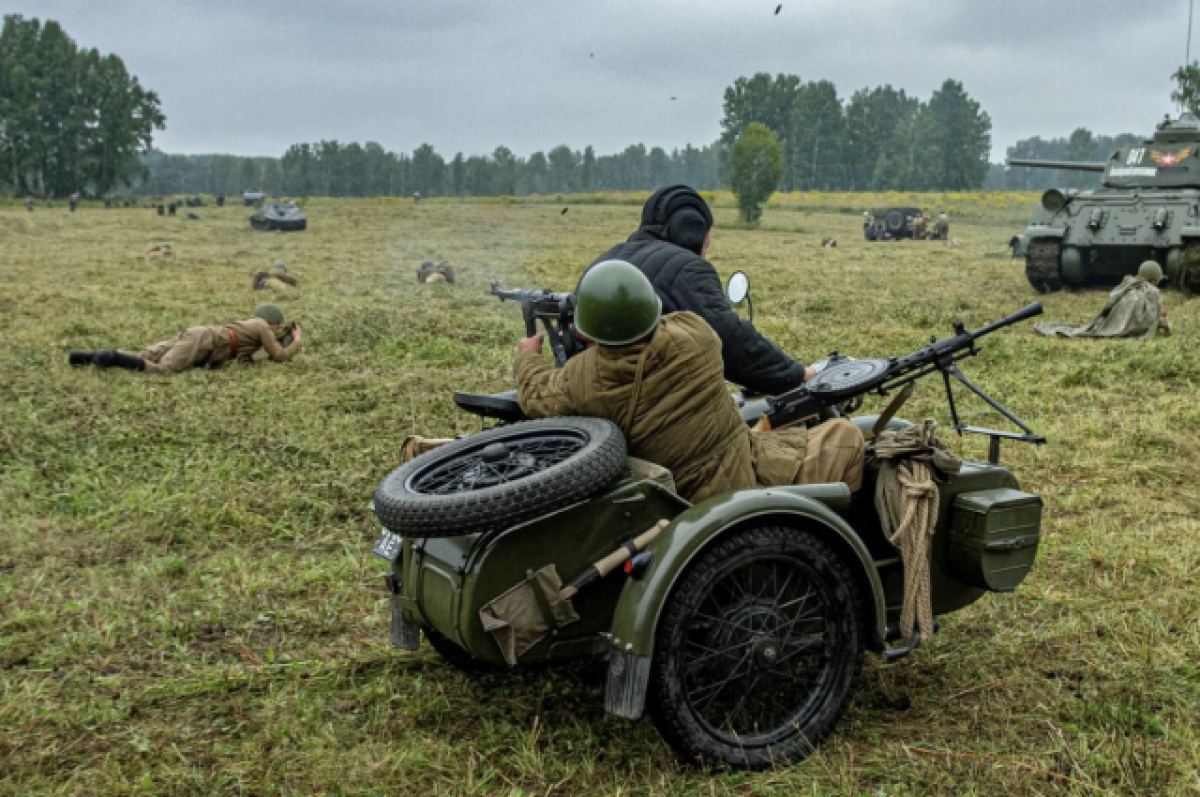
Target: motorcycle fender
688	535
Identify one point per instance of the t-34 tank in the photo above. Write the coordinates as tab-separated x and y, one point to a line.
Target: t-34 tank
1148	208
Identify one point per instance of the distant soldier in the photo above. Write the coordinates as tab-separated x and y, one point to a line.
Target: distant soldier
943	226
29	203
73	201
220	200
1134	310
171	209
416	197
161	210
277	279
206	346
918	227
442	272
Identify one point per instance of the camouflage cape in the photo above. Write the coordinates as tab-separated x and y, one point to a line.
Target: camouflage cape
1134	310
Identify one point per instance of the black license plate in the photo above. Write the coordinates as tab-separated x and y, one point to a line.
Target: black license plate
387	547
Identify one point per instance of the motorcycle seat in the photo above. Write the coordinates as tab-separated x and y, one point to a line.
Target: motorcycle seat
501	406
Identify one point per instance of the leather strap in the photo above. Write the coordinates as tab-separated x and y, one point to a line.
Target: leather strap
232	342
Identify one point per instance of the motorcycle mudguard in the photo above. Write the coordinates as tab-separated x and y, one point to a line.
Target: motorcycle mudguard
642	600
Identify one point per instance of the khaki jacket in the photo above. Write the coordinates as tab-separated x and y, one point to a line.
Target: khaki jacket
252	334
678	414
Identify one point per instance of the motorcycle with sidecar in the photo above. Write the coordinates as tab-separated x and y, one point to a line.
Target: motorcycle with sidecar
739	623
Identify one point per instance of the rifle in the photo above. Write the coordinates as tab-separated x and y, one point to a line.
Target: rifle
556	311
843	379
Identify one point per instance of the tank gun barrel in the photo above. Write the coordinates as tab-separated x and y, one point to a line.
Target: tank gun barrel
1073	166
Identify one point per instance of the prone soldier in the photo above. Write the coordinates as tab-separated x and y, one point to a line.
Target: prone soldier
277	279
206	346
442	272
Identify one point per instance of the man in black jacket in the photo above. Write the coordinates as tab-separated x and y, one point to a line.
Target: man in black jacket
669	249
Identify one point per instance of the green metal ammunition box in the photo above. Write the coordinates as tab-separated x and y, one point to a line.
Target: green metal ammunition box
994	536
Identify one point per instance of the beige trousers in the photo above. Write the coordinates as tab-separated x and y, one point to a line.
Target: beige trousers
190	348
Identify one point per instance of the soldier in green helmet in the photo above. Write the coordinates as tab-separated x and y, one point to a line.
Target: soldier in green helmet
207	346
660	378
1134	310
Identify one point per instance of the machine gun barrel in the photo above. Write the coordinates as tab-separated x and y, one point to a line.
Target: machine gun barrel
820	394
1071	166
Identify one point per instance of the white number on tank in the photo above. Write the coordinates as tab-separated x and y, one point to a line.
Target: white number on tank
1135	156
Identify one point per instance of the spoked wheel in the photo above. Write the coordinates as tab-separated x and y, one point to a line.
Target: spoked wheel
758	650
503	476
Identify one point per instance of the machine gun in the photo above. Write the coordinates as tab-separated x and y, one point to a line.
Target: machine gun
556	311
845	378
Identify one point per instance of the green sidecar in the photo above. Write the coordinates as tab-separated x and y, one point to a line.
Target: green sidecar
739	623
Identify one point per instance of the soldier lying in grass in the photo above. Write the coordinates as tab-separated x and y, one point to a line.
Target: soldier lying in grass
1134	310
206	346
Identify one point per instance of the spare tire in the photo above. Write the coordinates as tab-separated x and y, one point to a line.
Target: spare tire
501	477
894	220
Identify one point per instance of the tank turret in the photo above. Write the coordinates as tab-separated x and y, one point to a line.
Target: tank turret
1148	208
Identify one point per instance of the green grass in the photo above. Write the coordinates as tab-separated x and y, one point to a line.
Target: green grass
188	604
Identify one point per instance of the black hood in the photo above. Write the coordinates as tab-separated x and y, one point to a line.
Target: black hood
665	202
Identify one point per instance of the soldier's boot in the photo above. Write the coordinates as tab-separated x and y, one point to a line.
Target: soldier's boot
110	358
81	357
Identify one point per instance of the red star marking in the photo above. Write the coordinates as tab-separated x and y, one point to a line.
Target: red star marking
1168	159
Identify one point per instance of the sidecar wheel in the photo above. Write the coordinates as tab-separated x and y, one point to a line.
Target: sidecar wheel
501	477
758	650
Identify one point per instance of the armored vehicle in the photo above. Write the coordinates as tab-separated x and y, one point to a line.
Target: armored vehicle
1148	208
739	622
279	216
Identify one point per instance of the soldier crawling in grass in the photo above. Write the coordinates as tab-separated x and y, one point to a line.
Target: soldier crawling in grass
277	279
207	346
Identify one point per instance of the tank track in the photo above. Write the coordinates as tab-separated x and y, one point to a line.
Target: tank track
1189	269
1041	266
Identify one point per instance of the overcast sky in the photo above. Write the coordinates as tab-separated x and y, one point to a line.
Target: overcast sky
250	77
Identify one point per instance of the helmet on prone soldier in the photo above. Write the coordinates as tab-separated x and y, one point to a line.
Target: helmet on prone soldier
1150	271
271	313
615	305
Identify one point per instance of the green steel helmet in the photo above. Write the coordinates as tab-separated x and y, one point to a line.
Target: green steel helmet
269	313
615	304
1150	271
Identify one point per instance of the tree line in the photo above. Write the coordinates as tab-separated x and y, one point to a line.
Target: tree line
332	168
880	139
70	119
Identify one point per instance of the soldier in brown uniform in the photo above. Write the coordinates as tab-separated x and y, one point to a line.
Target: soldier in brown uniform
918	227
277	279
661	380
943	226
211	346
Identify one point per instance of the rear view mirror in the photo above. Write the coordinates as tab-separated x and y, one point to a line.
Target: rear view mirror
738	288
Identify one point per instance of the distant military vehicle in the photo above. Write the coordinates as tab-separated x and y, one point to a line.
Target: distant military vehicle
279	217
889	223
1148	208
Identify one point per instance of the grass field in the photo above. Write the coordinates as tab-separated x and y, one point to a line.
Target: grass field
187	600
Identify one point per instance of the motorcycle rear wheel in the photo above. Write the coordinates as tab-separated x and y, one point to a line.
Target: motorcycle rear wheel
758	650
